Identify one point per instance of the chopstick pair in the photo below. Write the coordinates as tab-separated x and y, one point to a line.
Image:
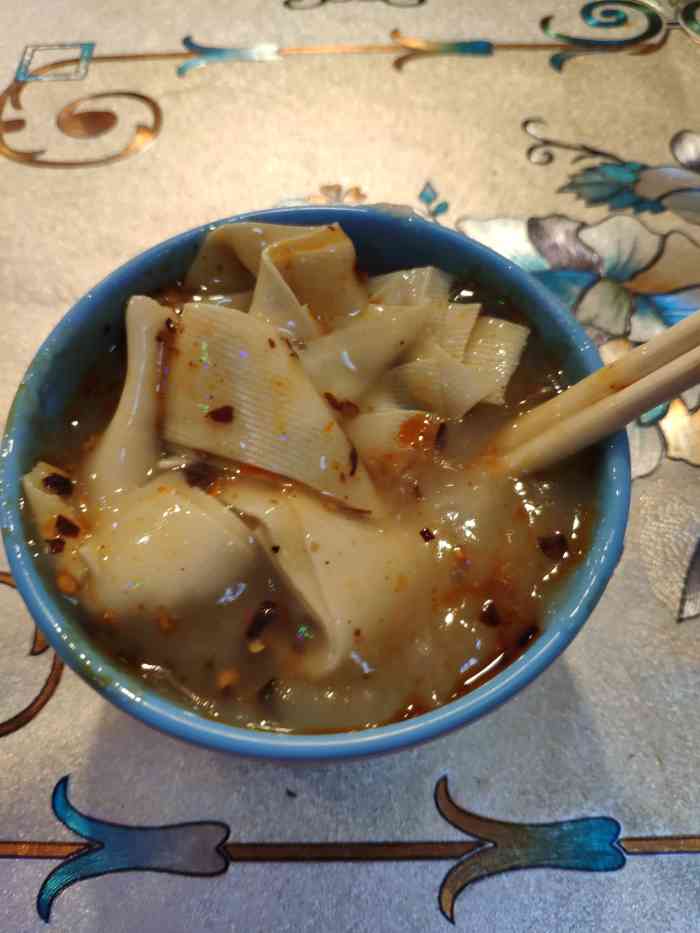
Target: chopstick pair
603	402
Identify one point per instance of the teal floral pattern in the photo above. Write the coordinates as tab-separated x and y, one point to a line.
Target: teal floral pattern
625	284
613	183
622	184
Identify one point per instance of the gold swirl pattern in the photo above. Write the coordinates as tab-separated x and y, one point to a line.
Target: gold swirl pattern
39	646
77	120
78	123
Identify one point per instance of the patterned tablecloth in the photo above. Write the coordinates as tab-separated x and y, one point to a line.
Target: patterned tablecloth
565	136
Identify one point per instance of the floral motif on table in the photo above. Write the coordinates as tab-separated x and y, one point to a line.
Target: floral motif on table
625	284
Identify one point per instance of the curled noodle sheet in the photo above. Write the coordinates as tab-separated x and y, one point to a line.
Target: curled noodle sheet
448	325
410	286
452	326
320	269
239	300
306	277
45	507
348	361
438	383
275	303
373	581
217	264
495	347
359	581
248	239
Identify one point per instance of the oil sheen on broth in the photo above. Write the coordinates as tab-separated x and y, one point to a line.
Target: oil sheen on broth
219	561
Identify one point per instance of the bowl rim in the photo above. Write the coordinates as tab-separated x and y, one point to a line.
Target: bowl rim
130	694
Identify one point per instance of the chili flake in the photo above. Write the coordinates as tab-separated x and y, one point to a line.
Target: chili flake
489	614
66	528
58	484
266	613
227	678
67	584
222	415
165	622
554	546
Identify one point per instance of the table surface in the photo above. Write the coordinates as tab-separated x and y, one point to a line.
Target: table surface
564	136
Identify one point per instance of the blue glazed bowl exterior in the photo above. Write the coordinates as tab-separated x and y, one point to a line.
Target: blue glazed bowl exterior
384	242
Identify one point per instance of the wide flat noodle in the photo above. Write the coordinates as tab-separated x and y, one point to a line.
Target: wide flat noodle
235	390
495	347
149	558
347	362
382	438
360	582
440	384
453	326
128	450
374	581
321	271
216	264
410	286
248	239
448	325
275	303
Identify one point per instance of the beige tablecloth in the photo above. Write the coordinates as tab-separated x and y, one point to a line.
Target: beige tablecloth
582	163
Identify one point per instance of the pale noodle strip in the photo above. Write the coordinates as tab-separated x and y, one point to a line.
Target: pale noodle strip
410	286
321	554
236	390
239	300
394	566
248	239
347	362
453	327
495	347
386	395
440	384
217	265
275	303
377	435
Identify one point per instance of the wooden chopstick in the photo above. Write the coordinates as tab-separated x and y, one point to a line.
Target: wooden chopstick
630	368
589	424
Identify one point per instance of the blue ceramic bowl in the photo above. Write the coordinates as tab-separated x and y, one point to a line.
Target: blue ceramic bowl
384	242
